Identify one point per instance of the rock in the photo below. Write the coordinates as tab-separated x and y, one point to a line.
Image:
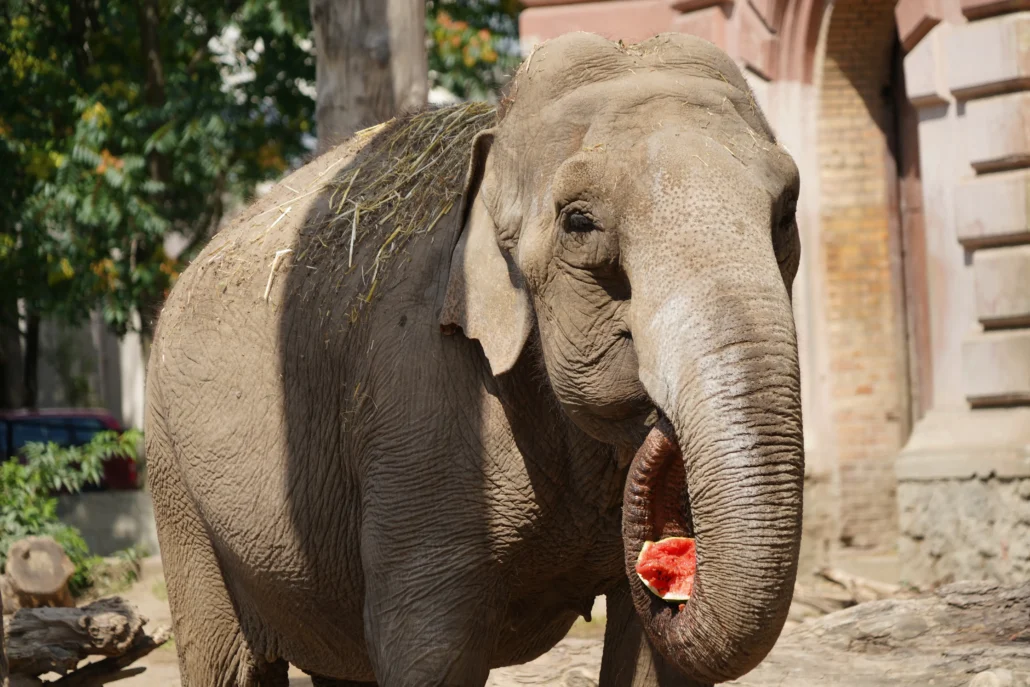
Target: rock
993	678
965	628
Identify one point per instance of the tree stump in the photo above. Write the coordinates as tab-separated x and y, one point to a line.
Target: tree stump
37	574
964	632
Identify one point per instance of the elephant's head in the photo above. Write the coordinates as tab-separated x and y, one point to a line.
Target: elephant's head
632	204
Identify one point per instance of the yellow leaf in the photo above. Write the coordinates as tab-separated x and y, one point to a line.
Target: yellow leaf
39	164
97	113
64	272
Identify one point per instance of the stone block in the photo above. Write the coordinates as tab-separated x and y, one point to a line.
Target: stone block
978	9
627	20
993	210
996	368
997	132
915	18
924	70
709	24
1002	278
990	56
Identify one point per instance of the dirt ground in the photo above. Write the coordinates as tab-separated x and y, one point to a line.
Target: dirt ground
574	662
844	629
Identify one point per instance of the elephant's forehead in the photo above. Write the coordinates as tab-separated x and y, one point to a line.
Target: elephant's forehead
575	60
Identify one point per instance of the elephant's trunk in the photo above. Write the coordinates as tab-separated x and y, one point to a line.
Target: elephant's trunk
725	376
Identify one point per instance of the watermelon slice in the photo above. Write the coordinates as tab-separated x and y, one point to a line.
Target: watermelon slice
667	567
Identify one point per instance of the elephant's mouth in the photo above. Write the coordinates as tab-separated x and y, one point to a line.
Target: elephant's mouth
657	486
656	490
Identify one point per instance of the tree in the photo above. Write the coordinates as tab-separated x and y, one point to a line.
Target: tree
474	45
127	124
371	63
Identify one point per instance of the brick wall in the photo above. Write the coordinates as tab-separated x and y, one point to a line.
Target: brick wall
866	381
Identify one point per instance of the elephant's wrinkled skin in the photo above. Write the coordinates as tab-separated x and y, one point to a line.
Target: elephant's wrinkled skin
438	489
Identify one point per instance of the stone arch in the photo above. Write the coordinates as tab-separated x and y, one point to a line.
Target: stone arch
796	54
861	264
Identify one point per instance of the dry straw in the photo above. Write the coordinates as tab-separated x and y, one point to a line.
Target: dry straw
401	185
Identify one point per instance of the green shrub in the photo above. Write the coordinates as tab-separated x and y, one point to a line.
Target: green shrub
29	504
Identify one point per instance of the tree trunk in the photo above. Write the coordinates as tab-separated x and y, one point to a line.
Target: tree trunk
158	165
149	19
371	65
965	629
11	374
30	389
37	574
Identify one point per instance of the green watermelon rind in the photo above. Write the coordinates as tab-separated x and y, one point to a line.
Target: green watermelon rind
668	597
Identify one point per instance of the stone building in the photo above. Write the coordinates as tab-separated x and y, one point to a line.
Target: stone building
909	121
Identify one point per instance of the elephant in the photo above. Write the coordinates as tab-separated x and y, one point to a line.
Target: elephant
416	408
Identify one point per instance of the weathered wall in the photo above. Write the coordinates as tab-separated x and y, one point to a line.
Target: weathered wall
964	472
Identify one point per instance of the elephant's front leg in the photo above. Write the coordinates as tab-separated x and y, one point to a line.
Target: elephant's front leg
629	660
437	633
430	610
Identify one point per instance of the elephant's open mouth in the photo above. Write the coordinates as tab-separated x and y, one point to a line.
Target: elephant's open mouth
657	486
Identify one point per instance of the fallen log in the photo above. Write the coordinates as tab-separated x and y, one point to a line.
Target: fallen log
37	574
41	640
90	674
963	630
860	588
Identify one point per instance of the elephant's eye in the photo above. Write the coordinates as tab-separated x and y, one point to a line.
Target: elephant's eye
577	222
789	214
786	223
785	238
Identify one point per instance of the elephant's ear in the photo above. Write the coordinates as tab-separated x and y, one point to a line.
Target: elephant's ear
485	292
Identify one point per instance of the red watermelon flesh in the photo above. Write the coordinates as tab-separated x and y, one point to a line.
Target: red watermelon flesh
668	567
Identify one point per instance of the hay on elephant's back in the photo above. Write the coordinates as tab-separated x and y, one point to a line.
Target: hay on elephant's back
402	184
